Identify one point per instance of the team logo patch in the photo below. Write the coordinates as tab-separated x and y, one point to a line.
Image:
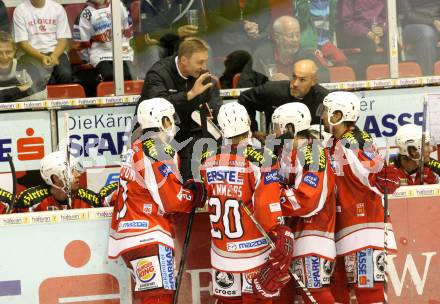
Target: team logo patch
165	170
360	209
311	179
247	281
271	177
148	208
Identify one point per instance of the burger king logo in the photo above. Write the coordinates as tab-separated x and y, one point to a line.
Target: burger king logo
145	271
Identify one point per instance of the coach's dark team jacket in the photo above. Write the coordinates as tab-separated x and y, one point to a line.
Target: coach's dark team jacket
267	97
164	80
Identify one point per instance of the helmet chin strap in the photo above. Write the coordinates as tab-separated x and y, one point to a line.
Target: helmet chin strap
334	124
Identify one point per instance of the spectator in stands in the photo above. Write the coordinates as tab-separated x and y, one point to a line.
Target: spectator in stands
364	27
185	82
275	58
317	19
239	24
15	82
4	19
42	31
302	88
234	64
92	33
163	24
421	27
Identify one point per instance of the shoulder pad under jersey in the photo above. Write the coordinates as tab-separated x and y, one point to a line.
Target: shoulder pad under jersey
157	150
434	165
357	139
89	197
260	156
32	196
108	189
312	157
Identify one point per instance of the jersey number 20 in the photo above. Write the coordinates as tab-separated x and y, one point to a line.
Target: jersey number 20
226	212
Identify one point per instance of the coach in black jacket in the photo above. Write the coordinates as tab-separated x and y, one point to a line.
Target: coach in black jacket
183	81
302	88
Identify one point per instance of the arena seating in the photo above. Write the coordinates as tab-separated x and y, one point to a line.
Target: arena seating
382	71
62	91
341	74
131	87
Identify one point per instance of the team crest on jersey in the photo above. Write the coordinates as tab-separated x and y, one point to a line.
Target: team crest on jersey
360	209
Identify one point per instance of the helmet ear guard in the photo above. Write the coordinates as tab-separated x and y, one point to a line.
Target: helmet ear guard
233	120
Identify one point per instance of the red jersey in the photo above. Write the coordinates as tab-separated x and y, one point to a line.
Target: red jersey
430	173
39	198
359	206
310	198
5	201
149	189
244	174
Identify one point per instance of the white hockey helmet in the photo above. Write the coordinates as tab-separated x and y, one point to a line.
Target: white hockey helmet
55	164
410	135
233	119
295	113
151	112
345	102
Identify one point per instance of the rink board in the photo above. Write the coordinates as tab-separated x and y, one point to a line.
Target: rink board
60	257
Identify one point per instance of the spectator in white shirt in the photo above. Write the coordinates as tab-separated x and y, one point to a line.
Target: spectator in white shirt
42	31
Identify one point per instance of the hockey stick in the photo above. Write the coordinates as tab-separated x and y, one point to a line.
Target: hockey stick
203	113
14	183
385	223
422	148
272	245
68	169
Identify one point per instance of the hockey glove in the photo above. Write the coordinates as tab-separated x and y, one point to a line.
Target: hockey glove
281	257
388	178
269	280
198	191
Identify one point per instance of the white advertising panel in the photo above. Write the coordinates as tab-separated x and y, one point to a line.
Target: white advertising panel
59	257
97	135
26	137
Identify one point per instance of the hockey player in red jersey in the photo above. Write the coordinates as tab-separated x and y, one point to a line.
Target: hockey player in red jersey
6	199
308	197
361	178
150	190
54	195
409	142
245	269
